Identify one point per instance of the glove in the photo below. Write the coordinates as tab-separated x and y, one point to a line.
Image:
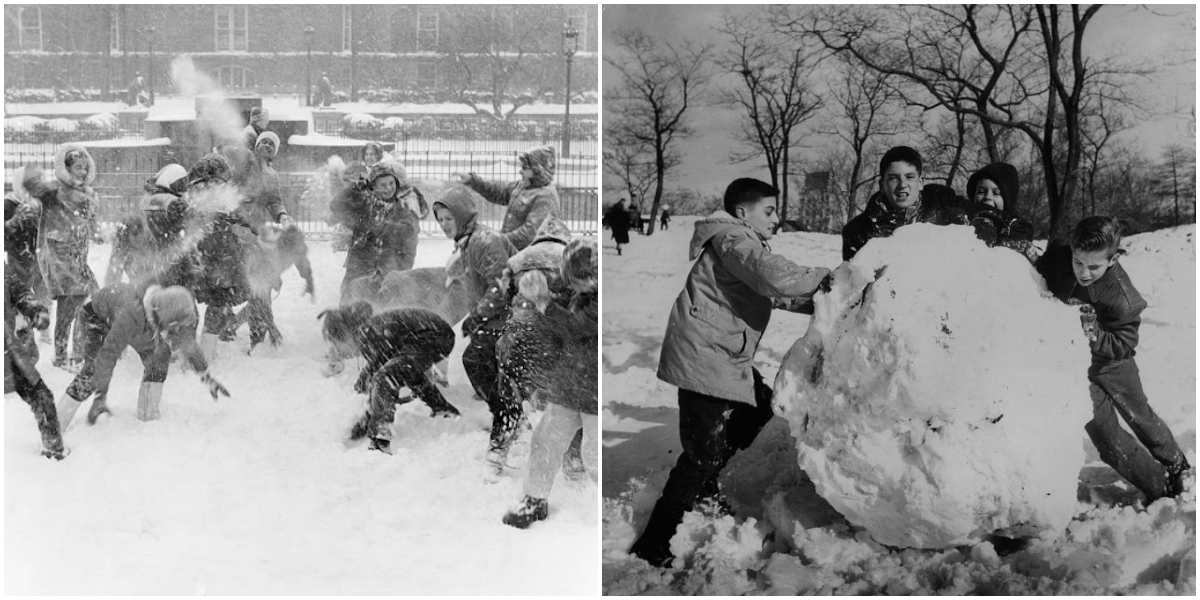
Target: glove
214	387
1020	229
471	324
987	226
1087	318
41	318
826	284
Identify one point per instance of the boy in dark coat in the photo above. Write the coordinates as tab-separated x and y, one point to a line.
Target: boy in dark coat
400	347
708	352
529	200
1086	273
21	216
153	323
618	221
992	196
484	254
903	198
20	365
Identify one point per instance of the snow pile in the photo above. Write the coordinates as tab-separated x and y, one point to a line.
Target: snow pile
61	125
919	399
393	123
361	121
23	123
103	122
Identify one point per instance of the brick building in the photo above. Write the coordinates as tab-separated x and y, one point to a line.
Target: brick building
264	48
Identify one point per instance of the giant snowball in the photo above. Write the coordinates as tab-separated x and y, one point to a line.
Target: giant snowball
938	395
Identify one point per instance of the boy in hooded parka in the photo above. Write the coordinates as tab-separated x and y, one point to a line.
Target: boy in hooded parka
384	222
484	254
154	323
159	246
65	231
708	351
992	196
529	200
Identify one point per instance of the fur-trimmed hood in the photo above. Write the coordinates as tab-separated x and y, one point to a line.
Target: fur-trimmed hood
461	204
541	160
60	166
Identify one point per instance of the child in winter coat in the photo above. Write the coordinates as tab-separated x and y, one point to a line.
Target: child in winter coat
618	221
21	217
20	365
400	347
529	200
567	383
1088	274
483	253
383	217
160	245
66	228
153	323
992	195
708	352
275	251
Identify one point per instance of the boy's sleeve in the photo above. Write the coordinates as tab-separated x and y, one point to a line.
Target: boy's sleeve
494	192
767	273
1117	335
543	204
489	261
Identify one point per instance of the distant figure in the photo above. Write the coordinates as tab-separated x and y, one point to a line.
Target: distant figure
635	216
324	91
665	217
137	91
618	221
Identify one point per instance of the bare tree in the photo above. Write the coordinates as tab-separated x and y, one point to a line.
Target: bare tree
658	83
490	54
631	162
1176	177
775	95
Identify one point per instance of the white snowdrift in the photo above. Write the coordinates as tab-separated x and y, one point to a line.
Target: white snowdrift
919	399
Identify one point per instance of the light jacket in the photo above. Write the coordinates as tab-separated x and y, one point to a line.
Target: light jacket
528	203
719	317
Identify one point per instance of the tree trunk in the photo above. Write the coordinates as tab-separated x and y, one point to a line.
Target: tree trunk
783	190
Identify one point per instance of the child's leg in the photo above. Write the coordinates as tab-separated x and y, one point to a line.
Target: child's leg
65	309
744	424
702	421
550	439
39	398
1121	451
1123	386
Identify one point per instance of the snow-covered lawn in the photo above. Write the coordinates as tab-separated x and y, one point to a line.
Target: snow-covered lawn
257	494
786	539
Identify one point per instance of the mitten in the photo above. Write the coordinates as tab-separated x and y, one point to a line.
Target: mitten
41	318
214	387
987	226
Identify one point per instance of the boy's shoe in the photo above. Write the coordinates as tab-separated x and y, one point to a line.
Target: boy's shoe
496	462
99	407
360	428
528	512
381	445
56	454
1175	475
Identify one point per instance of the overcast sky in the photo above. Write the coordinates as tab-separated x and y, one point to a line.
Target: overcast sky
1132	31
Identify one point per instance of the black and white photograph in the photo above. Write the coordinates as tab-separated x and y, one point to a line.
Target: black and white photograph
899	299
301	299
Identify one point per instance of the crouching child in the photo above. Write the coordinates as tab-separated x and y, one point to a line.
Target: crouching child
400	348
20	362
568	384
712	336
154	323
1086	273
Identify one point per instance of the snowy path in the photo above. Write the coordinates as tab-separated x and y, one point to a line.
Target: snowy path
256	494
641	444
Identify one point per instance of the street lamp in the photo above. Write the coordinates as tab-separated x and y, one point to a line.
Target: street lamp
308	34
570	46
150	35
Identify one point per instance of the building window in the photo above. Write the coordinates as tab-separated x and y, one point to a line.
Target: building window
235	77
231	28
427	29
578	18
30	32
347	28
114	28
427	73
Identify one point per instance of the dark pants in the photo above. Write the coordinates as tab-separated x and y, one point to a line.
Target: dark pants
483	369
66	309
711	431
219	320
405	363
41	400
262	320
1144	457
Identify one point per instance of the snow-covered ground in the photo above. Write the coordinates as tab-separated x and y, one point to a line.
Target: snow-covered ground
786	539
257	494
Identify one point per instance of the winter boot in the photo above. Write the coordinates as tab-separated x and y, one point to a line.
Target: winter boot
47	421
497	461
99	407
149	397
65	408
381	445
361	427
528	512
1175	476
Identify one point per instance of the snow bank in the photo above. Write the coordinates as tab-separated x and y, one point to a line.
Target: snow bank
920	396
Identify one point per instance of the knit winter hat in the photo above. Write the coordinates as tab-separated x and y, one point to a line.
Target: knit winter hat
172	179
552	228
461	204
210	167
579	264
1005	177
268	135
259	112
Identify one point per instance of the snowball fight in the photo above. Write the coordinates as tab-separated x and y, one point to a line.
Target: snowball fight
223	296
